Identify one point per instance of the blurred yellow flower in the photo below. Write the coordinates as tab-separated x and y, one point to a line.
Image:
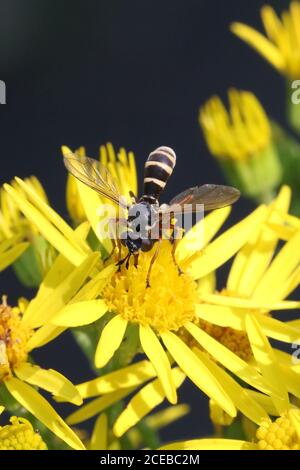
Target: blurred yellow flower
237	134
281	47
37	259
10	250
12	220
241	139
20	435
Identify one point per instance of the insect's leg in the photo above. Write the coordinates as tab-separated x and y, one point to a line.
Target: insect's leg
115	240
136	260
152	263
122	261
174	241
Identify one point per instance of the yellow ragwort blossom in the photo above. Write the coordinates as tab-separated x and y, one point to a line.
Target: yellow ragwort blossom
281	45
20	435
241	139
172	308
18	374
261	278
14	226
281	434
239	133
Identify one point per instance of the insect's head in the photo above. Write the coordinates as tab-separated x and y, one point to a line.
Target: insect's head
132	242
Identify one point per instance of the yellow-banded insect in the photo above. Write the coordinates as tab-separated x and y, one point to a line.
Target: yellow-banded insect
145	215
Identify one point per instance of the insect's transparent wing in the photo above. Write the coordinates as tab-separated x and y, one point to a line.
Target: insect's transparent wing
95	175
212	196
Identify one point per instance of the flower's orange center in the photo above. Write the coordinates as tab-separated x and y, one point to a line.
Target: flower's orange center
13	339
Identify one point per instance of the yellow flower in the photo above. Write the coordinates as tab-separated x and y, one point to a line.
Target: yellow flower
12	220
20	435
281	47
121	166
10	250
239	134
37	259
171	310
20	377
281	434
170	305
261	277
241	139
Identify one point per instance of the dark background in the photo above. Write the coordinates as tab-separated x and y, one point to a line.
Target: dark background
130	72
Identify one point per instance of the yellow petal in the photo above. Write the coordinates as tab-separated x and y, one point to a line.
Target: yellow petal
9	256
80	313
281	268
197	371
91	203
99	436
265	401
259	42
92	289
253	259
1	409
143	402
45	227
226	245
53	217
44	335
167	416
130	376
210	444
110	340
9	242
32	401
49	380
252	304
207	284
42	308
239	395
228	359
265	358
157	356
201	234
95	407
235	318
294	324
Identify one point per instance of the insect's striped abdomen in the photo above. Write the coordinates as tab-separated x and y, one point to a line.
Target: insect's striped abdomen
158	169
